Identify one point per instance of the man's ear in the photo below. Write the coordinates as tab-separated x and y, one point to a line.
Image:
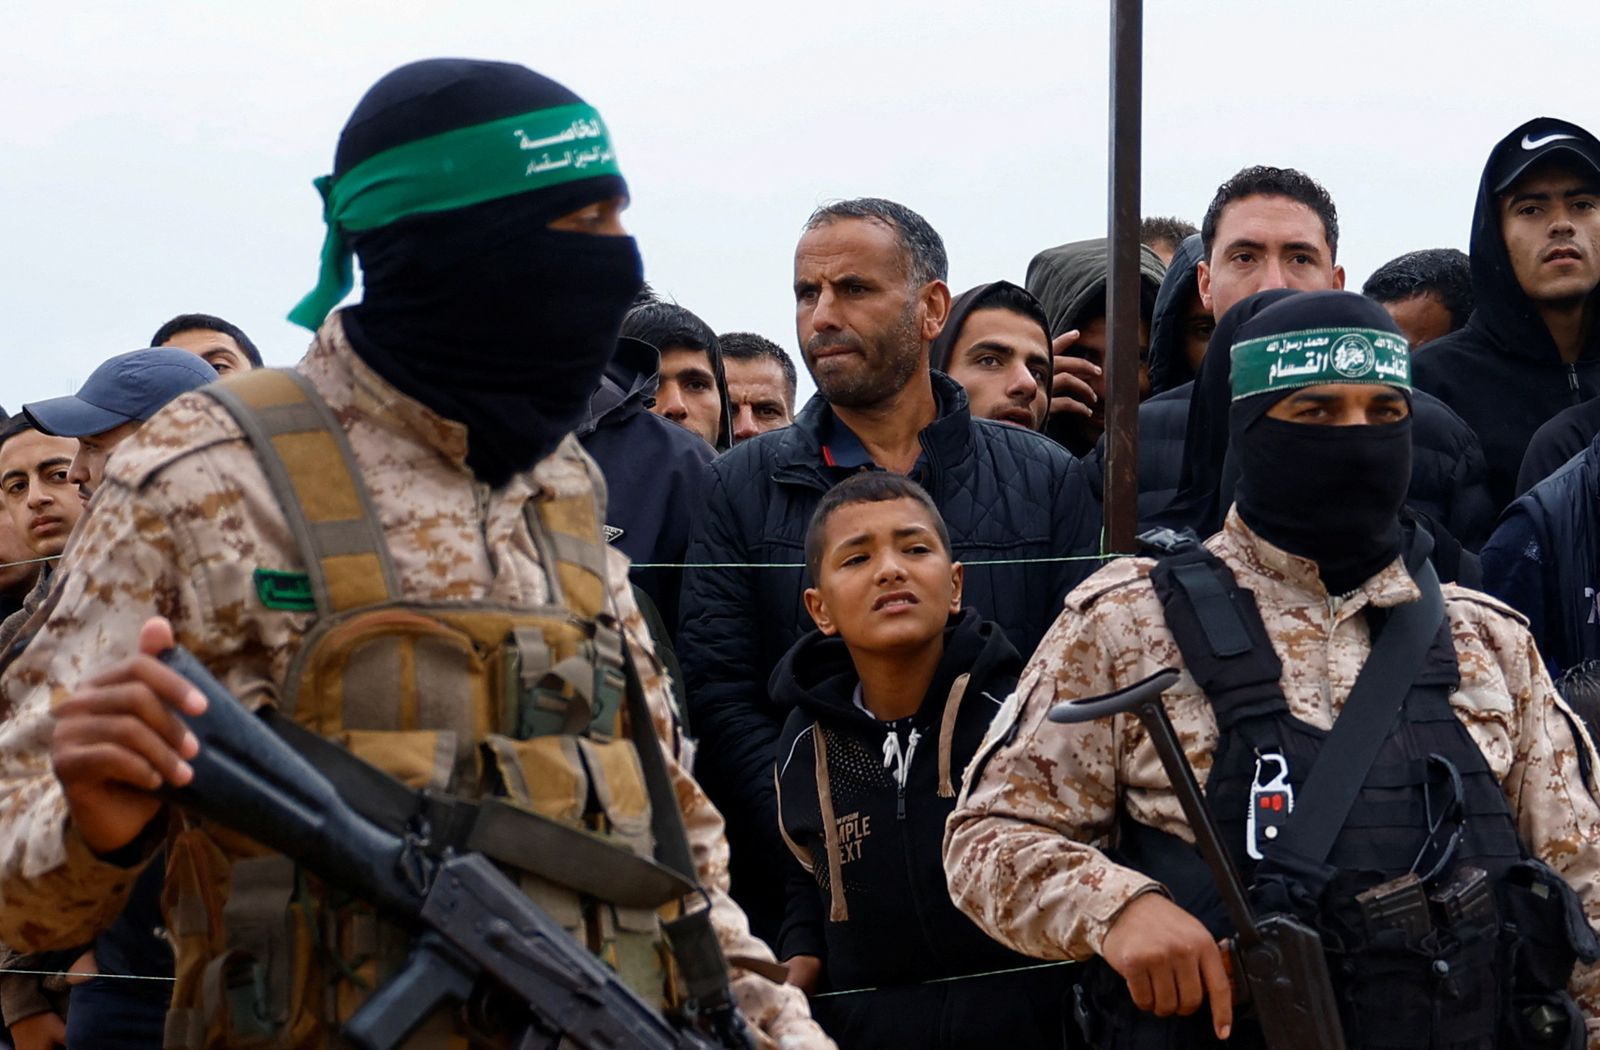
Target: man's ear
936	307
819	612
1338	277
958	575
1202	273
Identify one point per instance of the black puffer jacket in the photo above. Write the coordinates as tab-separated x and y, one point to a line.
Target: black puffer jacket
1542	561
1163	422
1005	493
888	927
654	471
1502	373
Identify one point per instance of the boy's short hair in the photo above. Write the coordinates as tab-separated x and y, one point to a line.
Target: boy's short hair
869	486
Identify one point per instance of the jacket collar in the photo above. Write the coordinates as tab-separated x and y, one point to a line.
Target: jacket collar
947	440
1287	578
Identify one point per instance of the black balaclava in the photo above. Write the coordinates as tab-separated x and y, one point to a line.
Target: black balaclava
481	313
1329	493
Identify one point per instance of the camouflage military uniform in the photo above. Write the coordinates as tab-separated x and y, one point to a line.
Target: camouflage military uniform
1020	848
184	518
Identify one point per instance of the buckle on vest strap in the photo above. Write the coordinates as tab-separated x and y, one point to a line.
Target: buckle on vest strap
1164	541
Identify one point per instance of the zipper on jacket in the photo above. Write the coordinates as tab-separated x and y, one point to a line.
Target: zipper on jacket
1572	382
898	762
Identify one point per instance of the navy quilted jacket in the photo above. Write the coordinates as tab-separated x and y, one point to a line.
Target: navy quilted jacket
1005	493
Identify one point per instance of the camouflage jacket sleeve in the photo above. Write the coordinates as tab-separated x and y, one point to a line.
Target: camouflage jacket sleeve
1020	848
53	891
777	1011
1518	711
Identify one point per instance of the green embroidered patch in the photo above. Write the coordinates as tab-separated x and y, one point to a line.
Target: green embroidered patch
289	591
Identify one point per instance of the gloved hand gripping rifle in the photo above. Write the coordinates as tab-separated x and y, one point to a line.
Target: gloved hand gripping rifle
1281	958
473	924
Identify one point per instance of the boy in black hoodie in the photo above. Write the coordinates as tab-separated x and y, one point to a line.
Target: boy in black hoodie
890	698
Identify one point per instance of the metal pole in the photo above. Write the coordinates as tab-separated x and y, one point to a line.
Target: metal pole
1122	286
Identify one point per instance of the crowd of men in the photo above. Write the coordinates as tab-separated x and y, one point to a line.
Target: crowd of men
827	688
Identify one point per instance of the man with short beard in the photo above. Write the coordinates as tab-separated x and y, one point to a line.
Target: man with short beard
870	296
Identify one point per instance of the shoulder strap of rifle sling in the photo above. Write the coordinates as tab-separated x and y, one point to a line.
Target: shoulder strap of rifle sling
694	940
1362	726
307	460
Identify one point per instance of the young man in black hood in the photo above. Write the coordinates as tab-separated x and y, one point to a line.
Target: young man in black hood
996	344
1070	282
890	697
1532	345
691	385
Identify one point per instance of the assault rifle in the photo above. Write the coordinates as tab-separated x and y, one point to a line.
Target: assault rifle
1281	958
474	927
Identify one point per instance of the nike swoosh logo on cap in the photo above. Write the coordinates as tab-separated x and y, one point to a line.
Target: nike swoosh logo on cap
1544	140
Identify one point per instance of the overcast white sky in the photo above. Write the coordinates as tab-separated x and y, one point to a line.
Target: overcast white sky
158	156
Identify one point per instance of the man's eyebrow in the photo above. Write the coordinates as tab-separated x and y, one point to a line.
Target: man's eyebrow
1302	246
6	478
991	344
1244	242
907	531
53	461
689	372
1315	398
1586	190
1518	198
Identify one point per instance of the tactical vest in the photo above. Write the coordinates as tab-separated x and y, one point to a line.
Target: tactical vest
504	724
1475	957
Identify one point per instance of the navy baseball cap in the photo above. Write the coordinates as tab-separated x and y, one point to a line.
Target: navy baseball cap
1540	140
129	387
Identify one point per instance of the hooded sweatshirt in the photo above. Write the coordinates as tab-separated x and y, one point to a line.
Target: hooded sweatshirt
961	308
1069	280
1169	365
888	925
1502	373
654	471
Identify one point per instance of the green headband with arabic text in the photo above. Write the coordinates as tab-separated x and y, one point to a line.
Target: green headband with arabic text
1291	360
454	169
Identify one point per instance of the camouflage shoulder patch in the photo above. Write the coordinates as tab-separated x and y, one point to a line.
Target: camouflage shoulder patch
1111	577
285	591
1456	593
191	423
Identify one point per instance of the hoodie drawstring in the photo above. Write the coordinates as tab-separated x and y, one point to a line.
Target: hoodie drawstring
900	760
947	732
838	908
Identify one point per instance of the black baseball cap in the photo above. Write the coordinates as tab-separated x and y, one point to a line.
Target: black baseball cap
1539	140
129	387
